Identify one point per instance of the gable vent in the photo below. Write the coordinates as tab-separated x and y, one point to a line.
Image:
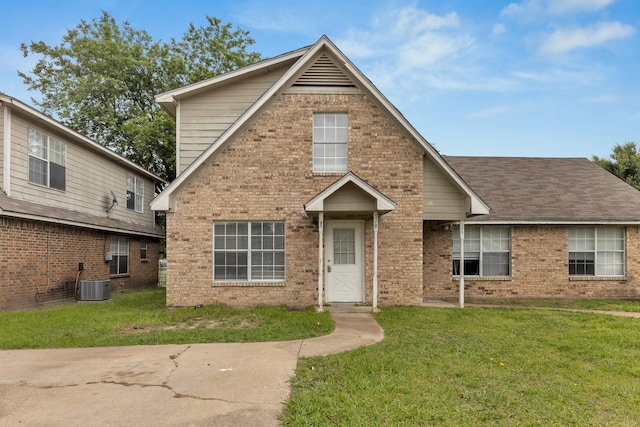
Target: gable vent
324	73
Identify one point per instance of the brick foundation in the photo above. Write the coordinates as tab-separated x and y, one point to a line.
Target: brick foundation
39	262
539	268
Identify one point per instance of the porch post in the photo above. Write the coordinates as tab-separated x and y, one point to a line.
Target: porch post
320	258
375	262
461	292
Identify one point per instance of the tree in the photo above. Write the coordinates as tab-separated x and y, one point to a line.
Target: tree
624	163
102	78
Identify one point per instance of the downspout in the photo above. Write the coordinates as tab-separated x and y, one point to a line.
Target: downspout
375	262
320	258
461	291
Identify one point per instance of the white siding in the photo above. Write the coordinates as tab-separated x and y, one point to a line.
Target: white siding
90	178
443	200
2	147
204	117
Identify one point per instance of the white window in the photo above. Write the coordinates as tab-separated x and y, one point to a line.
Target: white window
47	160
330	148
135	193
248	251
119	256
596	251
486	251
143	250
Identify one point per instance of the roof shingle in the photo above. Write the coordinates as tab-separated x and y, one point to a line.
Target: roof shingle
548	190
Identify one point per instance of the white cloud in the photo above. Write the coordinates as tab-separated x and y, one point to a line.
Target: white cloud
559	7
567	39
530	9
601	99
498	29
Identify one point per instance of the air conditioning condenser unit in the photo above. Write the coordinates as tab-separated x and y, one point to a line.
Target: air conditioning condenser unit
95	290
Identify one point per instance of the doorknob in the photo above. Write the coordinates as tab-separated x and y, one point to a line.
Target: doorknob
328	266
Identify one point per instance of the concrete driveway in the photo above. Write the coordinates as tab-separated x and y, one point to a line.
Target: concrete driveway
164	385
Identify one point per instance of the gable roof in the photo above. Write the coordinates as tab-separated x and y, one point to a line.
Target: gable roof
382	202
13	103
306	59
523	190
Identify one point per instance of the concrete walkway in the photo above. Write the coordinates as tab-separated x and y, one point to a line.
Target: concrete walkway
164	385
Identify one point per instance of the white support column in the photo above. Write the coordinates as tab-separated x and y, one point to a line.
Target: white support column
461	292
320	258
375	262
6	178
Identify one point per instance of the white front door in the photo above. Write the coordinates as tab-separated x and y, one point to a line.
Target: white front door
344	261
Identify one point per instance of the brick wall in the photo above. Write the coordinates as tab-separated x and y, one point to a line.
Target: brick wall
265	173
539	264
39	262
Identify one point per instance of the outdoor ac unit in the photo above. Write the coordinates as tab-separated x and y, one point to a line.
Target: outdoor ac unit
95	290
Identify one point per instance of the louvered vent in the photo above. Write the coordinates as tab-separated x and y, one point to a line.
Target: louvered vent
324	73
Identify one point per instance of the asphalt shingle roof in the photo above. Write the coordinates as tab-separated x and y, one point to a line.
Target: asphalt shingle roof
14	207
556	190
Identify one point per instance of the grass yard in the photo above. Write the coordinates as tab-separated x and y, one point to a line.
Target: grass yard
477	366
142	318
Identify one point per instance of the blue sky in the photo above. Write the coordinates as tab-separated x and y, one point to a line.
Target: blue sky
540	78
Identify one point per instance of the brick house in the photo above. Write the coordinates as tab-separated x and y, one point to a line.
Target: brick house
59	224
300	184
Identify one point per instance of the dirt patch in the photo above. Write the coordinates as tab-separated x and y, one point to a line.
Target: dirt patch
193	324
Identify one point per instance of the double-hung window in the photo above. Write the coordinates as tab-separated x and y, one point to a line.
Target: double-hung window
47	160
143	250
330	147
248	251
135	193
486	251
119	256
596	251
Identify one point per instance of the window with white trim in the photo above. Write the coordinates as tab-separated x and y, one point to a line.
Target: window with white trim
596	251
330	147
135	193
47	160
486	251
143	250
119	256
248	251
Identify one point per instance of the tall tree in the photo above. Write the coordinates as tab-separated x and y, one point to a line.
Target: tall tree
102	78
624	162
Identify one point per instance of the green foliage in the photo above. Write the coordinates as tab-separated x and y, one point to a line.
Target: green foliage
624	163
143	318
477	366
102	78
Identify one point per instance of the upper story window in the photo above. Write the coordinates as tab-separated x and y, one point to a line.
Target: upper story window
47	160
596	251
135	193
486	251
330	146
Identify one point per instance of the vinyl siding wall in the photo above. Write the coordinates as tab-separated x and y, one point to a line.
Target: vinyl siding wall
90	178
442	200
204	117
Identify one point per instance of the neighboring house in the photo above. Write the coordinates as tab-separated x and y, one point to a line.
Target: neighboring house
59	224
299	184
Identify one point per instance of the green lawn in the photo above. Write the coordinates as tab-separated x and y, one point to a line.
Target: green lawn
580	304
142	318
477	366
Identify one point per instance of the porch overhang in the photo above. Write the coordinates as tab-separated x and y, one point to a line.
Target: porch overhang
350	195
